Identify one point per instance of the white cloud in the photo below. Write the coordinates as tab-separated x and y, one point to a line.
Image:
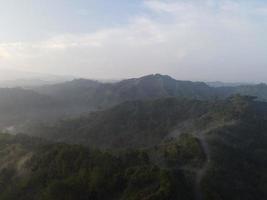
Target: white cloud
261	11
198	40
83	12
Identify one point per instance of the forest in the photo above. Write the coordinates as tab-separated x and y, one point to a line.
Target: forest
163	147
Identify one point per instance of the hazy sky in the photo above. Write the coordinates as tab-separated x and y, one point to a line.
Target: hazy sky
188	39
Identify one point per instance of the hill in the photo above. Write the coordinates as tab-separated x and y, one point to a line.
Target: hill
258	90
179	149
96	94
20	107
32	169
130	124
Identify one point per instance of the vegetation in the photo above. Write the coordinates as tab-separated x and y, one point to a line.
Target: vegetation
60	171
152	146
128	125
52	102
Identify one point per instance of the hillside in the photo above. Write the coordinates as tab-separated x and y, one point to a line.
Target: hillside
99	94
135	123
19	105
96	94
130	124
50	102
32	169
180	149
258	90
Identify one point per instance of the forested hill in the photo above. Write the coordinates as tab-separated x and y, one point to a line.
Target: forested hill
99	94
19	106
32	169
180	149
144	123
130	124
85	95
258	90
45	103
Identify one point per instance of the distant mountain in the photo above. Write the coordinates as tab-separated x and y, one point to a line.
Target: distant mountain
20	105
80	96
258	90
18	78
102	95
78	91
157	86
95	94
227	84
27	83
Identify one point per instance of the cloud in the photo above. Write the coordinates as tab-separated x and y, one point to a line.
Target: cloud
188	39
83	12
169	7
4	54
261	11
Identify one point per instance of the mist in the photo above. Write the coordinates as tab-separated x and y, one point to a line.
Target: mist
133	99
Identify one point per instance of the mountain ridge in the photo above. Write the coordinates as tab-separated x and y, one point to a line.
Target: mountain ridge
82	96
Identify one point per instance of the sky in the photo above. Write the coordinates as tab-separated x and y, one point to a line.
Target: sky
204	40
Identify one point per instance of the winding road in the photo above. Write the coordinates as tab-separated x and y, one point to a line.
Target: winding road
200	173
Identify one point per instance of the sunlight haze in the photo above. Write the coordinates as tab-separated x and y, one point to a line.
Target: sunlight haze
194	40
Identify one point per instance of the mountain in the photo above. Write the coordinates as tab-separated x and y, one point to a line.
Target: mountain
95	94
81	96
103	95
153	138
78	91
257	90
26	79
157	86
19	104
84	94
213	149
27	83
226	84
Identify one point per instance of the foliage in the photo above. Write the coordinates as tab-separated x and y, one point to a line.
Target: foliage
68	172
